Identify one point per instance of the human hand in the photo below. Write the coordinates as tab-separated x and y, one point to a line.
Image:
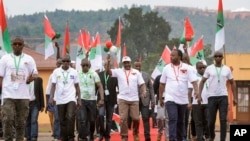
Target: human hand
235	101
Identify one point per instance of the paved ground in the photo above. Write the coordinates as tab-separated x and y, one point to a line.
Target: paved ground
46	136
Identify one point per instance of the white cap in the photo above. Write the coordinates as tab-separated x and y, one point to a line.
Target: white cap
126	59
203	62
73	62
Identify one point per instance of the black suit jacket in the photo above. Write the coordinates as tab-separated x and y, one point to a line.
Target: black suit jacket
112	83
38	91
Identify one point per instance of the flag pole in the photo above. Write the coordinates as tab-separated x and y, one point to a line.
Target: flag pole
224	54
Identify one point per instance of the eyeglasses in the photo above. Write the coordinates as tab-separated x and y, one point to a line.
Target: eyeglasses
15	44
65	61
218	56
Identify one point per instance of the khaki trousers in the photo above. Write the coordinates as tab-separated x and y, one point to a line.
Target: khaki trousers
131	108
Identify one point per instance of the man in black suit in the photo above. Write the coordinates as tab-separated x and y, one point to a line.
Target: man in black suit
36	104
110	99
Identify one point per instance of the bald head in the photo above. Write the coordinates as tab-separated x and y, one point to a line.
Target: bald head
137	65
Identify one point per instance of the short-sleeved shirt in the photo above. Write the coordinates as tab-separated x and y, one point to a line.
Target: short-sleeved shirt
15	71
88	84
204	95
176	79
65	81
218	77
48	88
128	82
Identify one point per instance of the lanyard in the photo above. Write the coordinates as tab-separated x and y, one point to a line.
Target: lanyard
65	77
175	73
106	77
17	65
127	75
218	73
84	78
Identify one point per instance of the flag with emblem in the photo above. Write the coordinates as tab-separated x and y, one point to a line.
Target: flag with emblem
80	51
197	52
220	32
49	35
95	54
164	60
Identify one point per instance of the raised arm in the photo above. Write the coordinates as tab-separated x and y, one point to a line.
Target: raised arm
107	69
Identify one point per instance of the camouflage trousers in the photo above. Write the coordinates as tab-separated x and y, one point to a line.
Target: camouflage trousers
14	114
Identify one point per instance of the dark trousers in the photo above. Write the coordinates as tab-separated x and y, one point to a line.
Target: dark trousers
214	104
14	114
66	113
86	119
145	118
176	115
200	120
31	130
107	110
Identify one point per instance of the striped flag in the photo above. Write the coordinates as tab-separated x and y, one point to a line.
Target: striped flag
5	45
164	60
49	35
66	46
220	32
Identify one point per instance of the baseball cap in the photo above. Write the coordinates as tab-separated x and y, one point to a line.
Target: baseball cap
126	59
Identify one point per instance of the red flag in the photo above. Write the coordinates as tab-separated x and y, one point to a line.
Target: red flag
116	117
66	46
189	30
4	37
166	55
197	47
118	38
80	39
124	52
95	40
86	39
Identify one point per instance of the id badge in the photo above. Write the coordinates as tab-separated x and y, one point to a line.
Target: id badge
15	85
127	91
106	92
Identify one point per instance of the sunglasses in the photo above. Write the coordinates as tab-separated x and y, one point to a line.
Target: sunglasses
17	44
85	65
202	68
218	56
65	61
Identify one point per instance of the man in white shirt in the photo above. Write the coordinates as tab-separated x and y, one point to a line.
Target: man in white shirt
174	85
52	109
200	111
218	74
128	98
65	92
89	79
16	72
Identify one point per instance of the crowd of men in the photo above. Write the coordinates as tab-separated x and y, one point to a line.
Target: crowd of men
77	99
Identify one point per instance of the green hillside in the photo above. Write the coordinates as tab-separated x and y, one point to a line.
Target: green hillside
237	29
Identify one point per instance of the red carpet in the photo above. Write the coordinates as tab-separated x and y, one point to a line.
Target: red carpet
116	136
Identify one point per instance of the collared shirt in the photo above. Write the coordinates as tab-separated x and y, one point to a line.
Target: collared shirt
65	81
217	86
15	71
87	84
176	79
128	82
204	94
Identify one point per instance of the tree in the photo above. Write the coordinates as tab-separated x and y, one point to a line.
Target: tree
208	54
142	33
